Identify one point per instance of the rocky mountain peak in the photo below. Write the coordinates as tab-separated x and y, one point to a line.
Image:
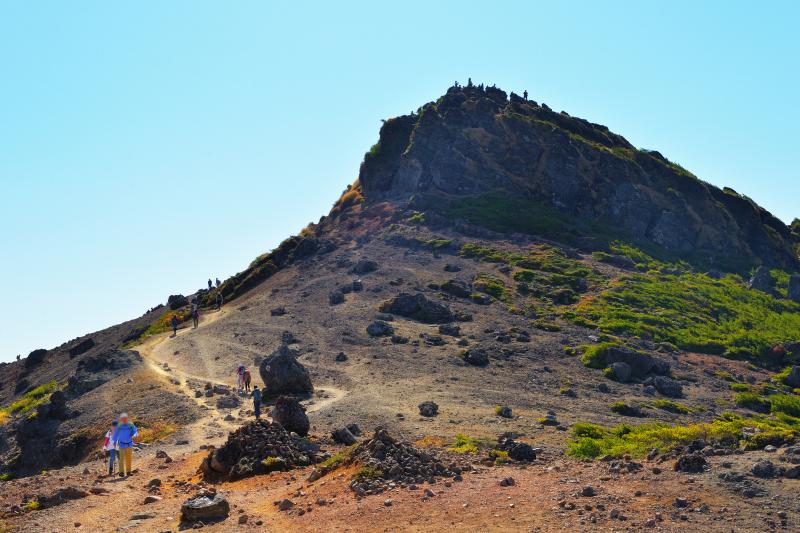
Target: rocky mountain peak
501	159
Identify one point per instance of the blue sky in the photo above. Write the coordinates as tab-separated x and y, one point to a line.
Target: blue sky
147	146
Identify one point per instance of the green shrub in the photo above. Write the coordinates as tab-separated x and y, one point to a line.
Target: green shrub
622	408
544	325
32	505
728	429
694	312
29	401
499	457
584	448
752	401
672	407
464	444
594	355
366	473
492	286
740	387
785	403
584	429
273	464
338	458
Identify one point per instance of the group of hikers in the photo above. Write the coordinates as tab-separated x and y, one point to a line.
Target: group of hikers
195	313
243	383
122	435
119	444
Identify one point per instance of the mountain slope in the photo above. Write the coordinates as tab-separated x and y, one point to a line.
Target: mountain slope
452	271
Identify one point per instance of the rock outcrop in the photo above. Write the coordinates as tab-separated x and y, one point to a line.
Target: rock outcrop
476	154
282	373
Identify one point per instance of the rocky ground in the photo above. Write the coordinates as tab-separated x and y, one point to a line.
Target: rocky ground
338	312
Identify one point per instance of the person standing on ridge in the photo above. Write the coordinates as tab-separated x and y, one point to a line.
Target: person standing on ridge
257	402
218	283
174	325
124	437
209	284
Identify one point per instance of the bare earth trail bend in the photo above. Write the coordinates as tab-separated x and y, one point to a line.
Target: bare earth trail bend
156	352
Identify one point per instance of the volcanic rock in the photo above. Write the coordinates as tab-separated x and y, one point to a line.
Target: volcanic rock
205	506
283	374
290	414
418	307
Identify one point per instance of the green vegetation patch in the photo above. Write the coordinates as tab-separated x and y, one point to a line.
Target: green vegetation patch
492	286
752	401
591	441
694	312
672	407
464	444
25	404
366	473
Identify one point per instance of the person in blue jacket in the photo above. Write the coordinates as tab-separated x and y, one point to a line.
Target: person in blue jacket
124	437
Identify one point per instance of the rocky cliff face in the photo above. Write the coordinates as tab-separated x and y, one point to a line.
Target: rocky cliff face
475	143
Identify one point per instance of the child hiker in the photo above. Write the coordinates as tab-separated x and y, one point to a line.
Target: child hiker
123	438
108	446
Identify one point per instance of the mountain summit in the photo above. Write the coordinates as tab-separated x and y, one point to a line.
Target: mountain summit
513	164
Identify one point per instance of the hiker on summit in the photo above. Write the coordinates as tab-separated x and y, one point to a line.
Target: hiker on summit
218	283
210	284
174	325
257	402
122	439
109	447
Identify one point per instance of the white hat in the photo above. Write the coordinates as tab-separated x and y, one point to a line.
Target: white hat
123	415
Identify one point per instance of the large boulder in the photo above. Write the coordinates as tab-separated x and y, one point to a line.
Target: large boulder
762	280
476	356
282	373
206	507
456	287
176	301
620	371
668	387
794	288
82	347
35	358
793	377
364	266
291	415
640	363
95	370
418	307
379	328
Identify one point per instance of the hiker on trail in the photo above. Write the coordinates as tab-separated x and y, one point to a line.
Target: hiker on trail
218	283
108	446
240	377
256	402
174	325
210	284
123	439
219	301
246	378
195	317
